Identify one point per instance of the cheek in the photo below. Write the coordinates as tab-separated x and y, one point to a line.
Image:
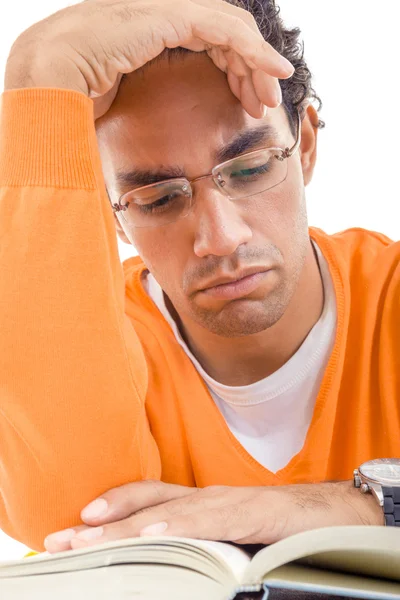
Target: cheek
279	218
162	251
280	212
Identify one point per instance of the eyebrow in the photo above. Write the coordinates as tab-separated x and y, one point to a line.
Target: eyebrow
245	141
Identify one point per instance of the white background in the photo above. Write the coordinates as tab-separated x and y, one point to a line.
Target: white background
352	49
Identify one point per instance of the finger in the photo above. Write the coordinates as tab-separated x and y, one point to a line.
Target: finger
267	88
118	530
236	64
102	104
248	95
205	502
230	523
231	32
249	99
233	10
218	58
60	541
234	84
206	499
132	525
118	503
219	524
236	69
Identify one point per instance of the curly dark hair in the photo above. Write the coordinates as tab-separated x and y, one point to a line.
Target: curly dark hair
297	91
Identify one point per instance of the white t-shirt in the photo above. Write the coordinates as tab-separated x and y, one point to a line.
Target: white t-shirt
271	417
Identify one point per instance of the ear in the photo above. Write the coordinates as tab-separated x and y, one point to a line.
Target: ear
308	145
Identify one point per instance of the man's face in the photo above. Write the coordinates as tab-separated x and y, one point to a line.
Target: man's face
177	116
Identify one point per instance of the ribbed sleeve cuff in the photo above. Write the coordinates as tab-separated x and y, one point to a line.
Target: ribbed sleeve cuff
47	138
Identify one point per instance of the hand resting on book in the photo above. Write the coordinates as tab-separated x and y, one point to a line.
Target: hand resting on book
245	515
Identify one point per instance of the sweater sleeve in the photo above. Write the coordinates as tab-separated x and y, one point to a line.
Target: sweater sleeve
73	375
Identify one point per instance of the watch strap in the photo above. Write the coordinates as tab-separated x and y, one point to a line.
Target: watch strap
391	505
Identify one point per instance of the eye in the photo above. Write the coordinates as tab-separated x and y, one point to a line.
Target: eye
250	171
158	205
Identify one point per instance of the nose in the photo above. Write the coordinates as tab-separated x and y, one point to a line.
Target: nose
219	224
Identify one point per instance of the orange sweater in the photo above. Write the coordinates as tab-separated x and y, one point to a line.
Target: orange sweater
94	389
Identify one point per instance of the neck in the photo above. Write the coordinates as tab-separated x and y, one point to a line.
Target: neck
252	358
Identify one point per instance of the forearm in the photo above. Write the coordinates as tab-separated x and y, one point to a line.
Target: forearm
73	374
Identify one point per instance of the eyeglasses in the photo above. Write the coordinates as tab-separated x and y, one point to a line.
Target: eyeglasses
242	177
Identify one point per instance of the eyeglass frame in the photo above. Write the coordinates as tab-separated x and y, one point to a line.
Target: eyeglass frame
286	153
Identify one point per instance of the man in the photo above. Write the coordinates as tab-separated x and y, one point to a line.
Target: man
246	361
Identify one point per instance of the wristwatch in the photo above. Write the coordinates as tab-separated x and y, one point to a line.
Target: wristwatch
381	477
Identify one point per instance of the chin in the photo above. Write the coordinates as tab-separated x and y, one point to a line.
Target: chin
241	318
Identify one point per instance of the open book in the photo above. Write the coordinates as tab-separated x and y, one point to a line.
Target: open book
355	562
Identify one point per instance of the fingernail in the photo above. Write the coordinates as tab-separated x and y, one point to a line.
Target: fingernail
286	65
60	537
90	534
265	111
155	529
95	509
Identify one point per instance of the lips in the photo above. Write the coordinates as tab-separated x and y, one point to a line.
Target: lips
243	284
235	277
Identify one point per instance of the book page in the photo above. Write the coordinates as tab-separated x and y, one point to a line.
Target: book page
122	582
369	550
237	559
222	562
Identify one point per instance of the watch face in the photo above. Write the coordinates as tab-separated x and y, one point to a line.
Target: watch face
382	470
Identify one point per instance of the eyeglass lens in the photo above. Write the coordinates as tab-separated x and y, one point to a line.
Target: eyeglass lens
242	177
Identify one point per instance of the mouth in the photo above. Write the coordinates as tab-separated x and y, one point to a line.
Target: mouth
237	287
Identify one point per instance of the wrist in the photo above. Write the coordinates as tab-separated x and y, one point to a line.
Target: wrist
325	504
365	507
25	69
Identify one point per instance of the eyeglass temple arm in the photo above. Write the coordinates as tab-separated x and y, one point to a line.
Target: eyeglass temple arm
289	151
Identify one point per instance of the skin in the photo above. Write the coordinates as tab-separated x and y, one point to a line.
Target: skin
246	515
166	115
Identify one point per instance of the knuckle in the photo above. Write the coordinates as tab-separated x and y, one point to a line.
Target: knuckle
257	49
